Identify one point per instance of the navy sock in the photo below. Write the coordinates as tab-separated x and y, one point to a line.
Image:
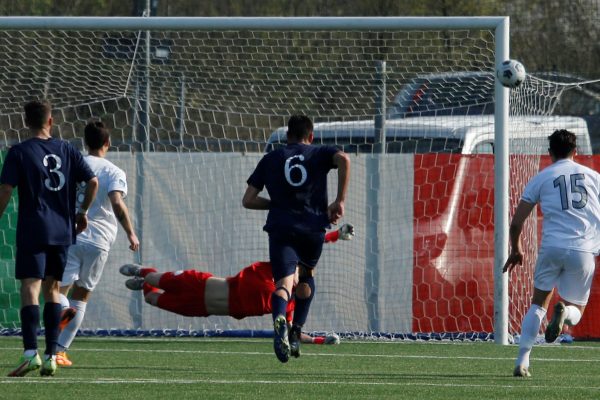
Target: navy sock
30	319
51	321
278	305
303	305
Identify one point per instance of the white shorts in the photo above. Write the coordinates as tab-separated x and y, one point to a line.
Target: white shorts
570	271
85	264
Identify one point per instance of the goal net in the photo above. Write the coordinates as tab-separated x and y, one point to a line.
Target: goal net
192	111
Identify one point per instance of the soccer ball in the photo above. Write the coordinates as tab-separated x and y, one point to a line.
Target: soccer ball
511	73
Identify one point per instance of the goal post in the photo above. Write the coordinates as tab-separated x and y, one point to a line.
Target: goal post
196	100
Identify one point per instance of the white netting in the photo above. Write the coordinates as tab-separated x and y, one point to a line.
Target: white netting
422	259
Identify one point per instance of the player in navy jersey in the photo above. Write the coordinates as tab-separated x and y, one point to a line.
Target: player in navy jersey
295	177
45	171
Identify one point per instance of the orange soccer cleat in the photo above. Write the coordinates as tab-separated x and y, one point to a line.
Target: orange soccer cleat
66	316
63	360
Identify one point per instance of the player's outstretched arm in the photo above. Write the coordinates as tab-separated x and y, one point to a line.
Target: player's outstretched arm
331	338
122	213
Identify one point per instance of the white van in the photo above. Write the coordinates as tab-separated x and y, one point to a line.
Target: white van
445	134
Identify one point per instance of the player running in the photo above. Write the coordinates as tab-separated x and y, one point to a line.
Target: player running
295	177
86	258
200	294
45	171
568	194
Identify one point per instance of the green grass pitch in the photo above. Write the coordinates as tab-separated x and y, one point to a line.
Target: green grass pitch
175	369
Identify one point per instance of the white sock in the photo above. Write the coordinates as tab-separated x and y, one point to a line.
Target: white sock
64	302
68	334
530	327
573	315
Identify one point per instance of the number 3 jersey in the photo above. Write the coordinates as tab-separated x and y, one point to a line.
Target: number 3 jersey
568	194
102	222
296	179
45	172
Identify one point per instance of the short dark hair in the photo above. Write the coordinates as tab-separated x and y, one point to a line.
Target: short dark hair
96	134
562	143
37	113
299	127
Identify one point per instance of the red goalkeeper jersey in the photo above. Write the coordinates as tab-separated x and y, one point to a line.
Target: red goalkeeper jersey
250	292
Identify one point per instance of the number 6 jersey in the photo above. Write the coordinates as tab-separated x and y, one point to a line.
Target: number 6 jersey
296	179
45	172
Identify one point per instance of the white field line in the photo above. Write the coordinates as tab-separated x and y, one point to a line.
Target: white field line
397	342
104	381
164	339
378	356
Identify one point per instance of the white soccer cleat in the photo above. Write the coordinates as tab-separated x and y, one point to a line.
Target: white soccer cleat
521	372
346	232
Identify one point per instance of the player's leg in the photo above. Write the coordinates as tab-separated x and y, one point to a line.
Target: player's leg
29	270
309	248
67	312
152	278
70	321
184	292
530	327
546	274
70	275
283	263
51	317
151	294
303	294
92	262
55	265
573	286
30	319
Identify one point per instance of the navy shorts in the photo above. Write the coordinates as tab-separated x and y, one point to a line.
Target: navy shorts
286	250
41	262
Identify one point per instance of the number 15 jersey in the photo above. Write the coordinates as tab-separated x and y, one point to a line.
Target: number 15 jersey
568	194
45	172
296	179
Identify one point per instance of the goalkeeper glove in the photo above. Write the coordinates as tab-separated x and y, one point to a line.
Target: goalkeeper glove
332	338
346	232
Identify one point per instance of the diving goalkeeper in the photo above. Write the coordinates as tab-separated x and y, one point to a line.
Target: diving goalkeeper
193	293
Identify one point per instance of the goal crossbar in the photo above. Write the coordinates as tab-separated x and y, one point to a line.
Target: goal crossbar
254	23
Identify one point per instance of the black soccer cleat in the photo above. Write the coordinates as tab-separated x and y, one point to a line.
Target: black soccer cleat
294	339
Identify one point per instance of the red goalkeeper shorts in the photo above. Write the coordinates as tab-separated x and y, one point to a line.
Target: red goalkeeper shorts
184	292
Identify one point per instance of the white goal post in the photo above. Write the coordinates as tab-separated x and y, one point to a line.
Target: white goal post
499	26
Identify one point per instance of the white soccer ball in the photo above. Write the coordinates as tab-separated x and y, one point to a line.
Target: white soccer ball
511	73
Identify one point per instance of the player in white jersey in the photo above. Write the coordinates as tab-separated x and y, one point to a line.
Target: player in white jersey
86	259
568	194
